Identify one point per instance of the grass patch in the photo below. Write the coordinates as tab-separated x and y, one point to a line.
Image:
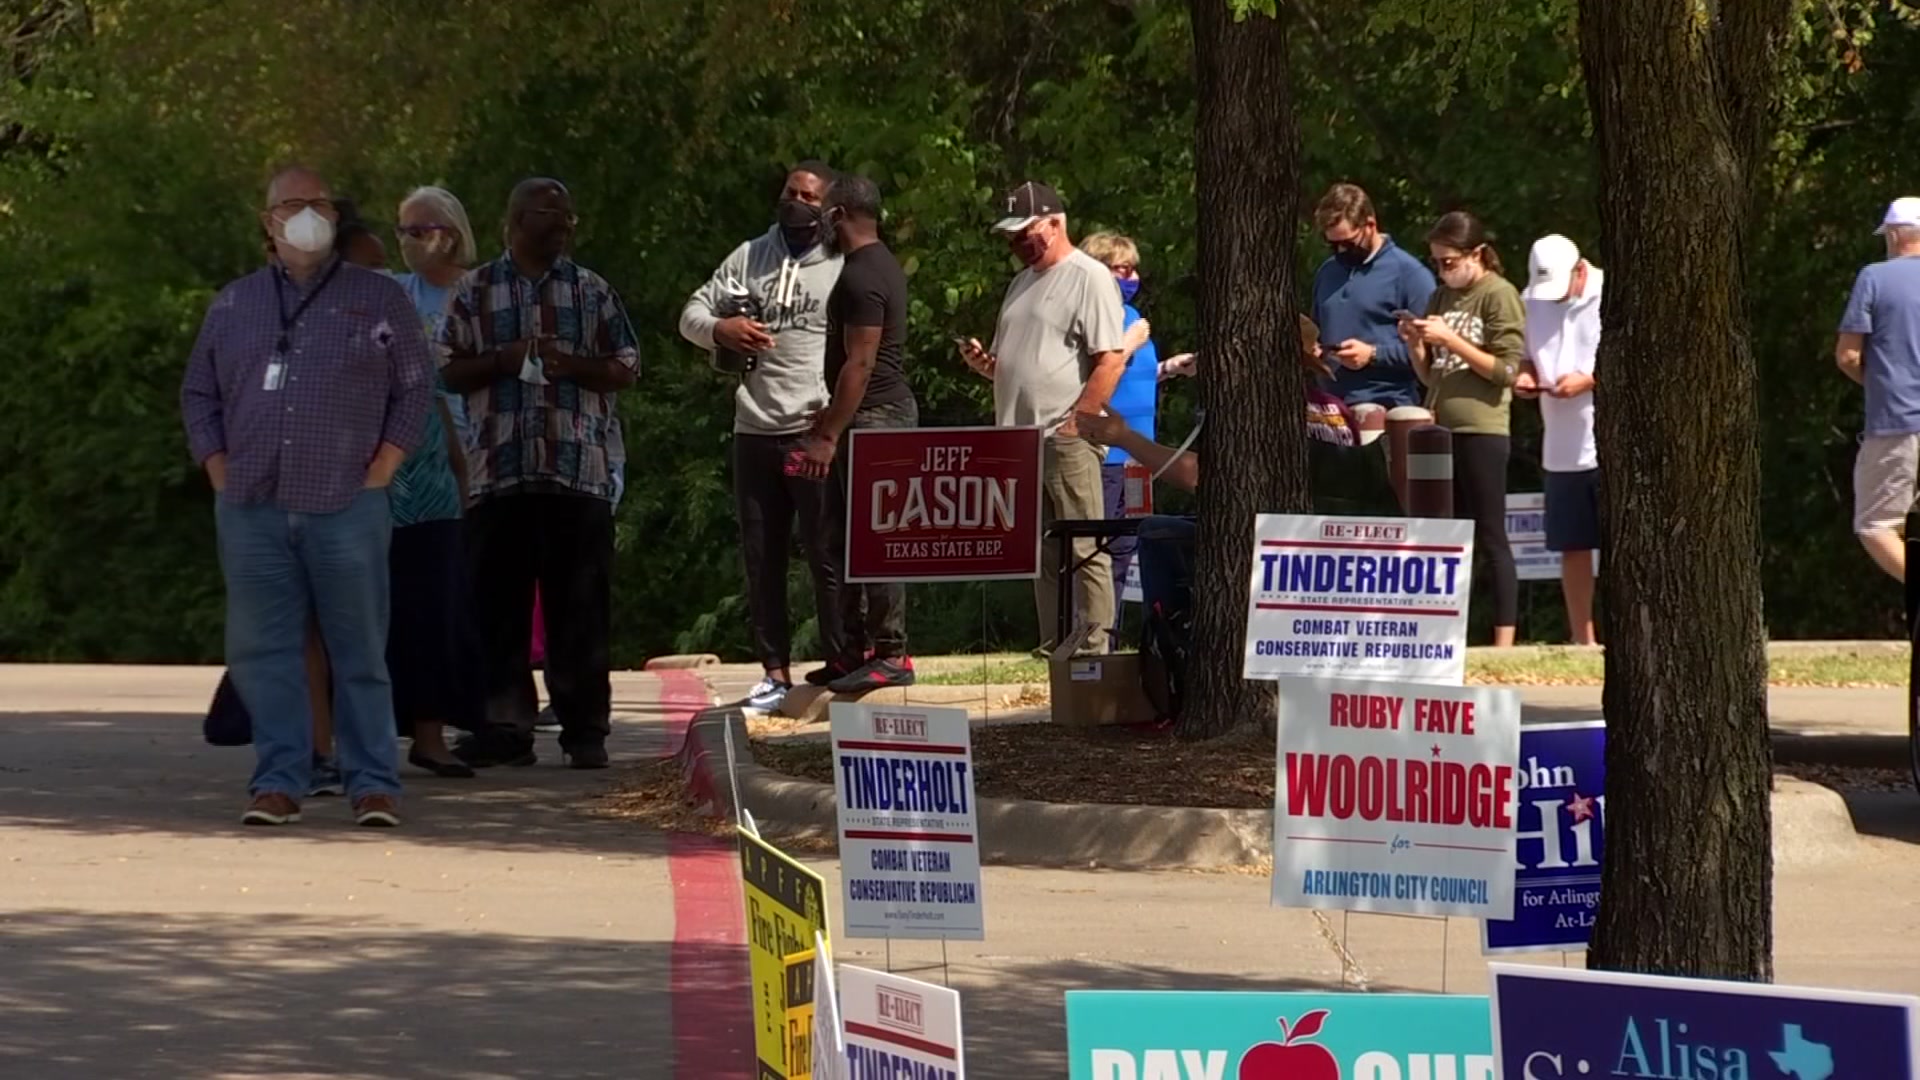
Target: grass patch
1568	667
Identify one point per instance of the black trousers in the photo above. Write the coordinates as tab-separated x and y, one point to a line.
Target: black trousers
768	500
564	542
871	616
1480	493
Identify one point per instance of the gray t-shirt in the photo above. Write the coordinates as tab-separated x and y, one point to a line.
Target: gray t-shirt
1885	307
1052	324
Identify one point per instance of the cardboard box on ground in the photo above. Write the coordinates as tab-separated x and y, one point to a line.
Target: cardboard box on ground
1089	691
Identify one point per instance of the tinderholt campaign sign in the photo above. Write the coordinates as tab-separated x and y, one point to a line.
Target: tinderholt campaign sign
1362	598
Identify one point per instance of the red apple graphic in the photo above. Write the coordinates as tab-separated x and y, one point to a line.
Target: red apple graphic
1291	1060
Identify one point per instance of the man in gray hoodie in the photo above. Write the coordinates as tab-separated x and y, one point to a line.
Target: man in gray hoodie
763	314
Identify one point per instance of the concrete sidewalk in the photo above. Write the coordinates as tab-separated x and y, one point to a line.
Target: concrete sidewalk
143	933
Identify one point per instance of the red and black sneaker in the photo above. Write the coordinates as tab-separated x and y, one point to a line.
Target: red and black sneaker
833	672
881	671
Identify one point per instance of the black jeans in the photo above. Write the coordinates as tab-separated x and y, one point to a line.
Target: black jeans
1480	493
871	616
767	500
565	542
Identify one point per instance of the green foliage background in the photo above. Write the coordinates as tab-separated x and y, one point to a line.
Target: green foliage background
135	136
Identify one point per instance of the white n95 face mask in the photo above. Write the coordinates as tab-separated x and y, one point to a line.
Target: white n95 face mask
307	231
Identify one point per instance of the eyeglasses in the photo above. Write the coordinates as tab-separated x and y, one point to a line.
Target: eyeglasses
1122	269
420	232
294	206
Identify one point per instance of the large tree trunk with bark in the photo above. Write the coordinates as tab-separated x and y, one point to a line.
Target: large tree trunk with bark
1251	385
1682	97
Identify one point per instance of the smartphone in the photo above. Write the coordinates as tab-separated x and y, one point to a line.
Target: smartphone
796	462
1403	313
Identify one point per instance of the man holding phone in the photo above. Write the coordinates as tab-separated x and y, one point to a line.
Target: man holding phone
1059	349
1359	294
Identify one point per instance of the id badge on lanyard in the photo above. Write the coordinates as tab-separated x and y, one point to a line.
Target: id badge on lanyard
275	375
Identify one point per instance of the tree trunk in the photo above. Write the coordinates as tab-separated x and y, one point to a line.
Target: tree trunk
1251	386
1682	105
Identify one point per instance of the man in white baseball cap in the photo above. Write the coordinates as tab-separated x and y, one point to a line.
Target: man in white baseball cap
1879	348
1563	338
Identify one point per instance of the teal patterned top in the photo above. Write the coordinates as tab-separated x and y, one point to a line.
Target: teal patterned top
424	488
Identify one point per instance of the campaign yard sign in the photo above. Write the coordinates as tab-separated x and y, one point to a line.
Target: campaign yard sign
1555	1024
1395	797
1355	597
1162	1035
1527	535
909	831
1561	827
786	911
899	1027
943	504
829	1045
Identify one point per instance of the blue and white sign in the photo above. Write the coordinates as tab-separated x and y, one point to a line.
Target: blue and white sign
1527	536
1552	1024
1159	1035
1560	827
1359	598
909	827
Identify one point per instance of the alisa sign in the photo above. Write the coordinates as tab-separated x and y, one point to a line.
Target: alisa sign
1129	1035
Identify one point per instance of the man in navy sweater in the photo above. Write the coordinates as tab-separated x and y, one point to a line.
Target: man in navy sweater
1356	292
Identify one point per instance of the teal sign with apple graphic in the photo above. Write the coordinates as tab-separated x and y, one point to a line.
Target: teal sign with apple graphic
1153	1035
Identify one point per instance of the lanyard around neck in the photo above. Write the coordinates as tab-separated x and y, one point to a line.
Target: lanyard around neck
280	305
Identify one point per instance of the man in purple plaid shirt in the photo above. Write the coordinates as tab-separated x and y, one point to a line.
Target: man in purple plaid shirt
308	386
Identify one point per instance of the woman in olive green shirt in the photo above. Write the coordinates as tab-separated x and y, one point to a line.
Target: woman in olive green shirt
1467	351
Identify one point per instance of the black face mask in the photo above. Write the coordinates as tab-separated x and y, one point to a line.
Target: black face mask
1353	255
801	224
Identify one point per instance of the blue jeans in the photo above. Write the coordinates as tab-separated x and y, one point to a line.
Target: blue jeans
279	567
1165	552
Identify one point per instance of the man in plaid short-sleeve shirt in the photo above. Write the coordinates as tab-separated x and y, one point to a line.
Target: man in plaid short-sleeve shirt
539	346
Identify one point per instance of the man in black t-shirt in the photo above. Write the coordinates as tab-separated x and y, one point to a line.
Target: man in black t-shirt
866	330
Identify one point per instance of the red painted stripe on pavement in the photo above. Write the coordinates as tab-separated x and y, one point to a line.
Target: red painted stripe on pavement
712	1014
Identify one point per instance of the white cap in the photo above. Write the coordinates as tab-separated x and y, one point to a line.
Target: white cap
1550	268
1900	212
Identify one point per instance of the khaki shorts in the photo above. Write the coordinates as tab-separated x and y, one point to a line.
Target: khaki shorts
1883	481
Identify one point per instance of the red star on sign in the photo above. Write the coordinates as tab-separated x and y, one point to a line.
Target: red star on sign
1436	749
1581	807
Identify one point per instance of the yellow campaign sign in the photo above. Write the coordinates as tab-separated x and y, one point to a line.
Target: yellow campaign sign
799	1034
786	905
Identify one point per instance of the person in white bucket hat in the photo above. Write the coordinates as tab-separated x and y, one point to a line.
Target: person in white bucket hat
1879	348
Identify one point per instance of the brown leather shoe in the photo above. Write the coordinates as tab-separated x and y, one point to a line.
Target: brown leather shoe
376	812
272	808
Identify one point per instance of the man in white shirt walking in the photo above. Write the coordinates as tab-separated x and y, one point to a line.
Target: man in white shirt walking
1058	349
1563	336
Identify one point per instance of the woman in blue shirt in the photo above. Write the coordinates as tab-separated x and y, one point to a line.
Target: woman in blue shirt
431	658
1136	397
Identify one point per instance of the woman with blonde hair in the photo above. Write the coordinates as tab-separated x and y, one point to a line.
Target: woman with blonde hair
431	656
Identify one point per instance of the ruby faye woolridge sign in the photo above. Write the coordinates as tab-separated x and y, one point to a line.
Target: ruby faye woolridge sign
1396	797
1359	598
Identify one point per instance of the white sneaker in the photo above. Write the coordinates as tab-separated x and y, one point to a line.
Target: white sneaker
547	721
768	694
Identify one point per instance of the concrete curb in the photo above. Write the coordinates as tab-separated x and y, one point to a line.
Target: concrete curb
1811	824
1853	751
